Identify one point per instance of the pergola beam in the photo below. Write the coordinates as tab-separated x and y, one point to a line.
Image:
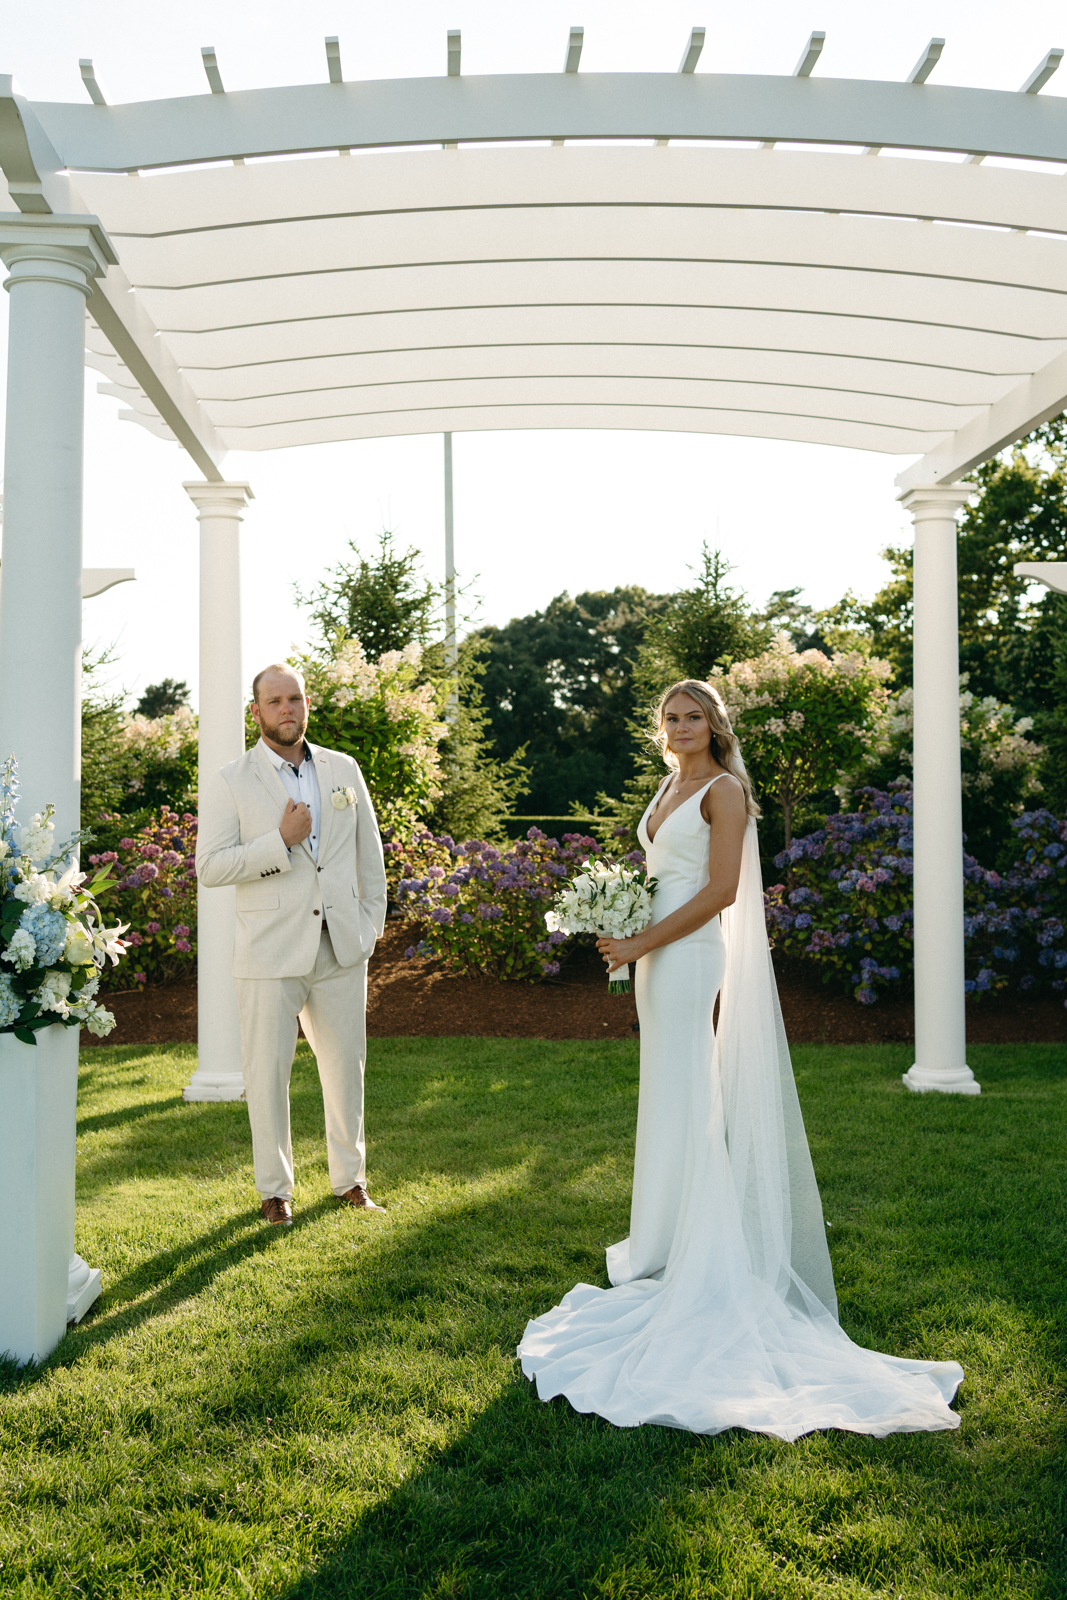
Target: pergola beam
211	69
926	62
812	52
96	94
262	122
575	40
1042	73
1024	408
692	50
39	187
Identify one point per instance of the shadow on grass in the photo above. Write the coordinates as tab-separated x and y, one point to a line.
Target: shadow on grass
536	1502
172	1276
118	1119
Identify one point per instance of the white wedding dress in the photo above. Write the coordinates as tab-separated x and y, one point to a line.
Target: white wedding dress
723	1312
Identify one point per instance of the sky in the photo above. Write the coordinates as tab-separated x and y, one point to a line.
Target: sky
536	513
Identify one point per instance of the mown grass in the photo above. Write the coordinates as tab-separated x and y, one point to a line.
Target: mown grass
336	1410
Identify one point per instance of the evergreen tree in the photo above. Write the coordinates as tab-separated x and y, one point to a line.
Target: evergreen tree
706	626
478	789
383	600
162	699
386	602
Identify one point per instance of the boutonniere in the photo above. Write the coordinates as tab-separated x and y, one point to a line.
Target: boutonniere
340	798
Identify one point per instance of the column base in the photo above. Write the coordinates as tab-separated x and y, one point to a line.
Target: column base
929	1080
214	1086
83	1288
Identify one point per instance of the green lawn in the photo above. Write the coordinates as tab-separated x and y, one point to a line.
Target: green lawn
336	1410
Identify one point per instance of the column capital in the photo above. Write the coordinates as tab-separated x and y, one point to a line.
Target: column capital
69	250
938	501
218	499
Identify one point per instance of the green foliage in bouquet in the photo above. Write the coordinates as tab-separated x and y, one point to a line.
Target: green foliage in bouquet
53	942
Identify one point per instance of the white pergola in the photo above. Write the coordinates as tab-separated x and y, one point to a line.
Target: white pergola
694	252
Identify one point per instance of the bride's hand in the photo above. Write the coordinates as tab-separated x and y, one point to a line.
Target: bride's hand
618	952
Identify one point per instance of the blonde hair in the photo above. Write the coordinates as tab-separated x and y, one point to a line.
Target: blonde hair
724	746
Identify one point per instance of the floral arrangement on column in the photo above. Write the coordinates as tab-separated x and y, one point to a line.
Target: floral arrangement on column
53	942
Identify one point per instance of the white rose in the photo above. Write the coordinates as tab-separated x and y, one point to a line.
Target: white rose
342	798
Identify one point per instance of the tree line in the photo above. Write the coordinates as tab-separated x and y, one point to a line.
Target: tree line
547	714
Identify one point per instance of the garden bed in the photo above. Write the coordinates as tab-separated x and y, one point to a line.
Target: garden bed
415	998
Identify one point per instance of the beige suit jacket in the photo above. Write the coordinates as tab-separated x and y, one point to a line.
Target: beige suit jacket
283	895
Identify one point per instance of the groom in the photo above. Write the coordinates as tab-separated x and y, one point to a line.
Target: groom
293	827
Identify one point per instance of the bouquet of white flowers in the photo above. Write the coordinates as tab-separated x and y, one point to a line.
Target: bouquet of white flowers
610	900
52	936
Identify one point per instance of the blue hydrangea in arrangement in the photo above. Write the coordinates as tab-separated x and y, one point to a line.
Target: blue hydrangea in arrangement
53	943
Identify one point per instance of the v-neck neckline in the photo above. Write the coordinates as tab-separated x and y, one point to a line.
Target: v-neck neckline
681	804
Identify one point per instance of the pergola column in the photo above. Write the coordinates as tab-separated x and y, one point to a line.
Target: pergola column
51	266
221	739
940	1013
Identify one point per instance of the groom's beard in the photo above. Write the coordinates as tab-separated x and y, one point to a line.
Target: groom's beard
287	734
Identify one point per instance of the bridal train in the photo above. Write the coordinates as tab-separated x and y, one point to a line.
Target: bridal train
722	1311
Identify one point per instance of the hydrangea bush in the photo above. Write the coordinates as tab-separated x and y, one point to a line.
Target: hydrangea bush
481	908
847	905
380	713
803	718
999	764
156	891
1015	923
53	942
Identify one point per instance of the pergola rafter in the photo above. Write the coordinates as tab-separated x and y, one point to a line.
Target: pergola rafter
290	266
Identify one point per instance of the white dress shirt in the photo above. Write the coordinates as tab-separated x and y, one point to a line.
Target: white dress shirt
301	784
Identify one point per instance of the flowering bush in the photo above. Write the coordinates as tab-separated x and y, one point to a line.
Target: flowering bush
848	904
54	943
156	891
379	712
999	762
1015	923
482	908
803	718
154	745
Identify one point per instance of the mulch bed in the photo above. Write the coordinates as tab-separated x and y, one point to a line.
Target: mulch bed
416	998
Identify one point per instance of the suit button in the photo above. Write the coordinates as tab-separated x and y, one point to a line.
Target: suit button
314	913
318	869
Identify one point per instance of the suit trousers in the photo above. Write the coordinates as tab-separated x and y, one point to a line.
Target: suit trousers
331	1004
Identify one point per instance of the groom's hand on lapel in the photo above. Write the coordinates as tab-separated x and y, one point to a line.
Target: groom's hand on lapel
295	824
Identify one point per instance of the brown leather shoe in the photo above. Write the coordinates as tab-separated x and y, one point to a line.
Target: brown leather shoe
357	1196
276	1209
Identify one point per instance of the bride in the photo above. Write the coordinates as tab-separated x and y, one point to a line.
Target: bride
722	1312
